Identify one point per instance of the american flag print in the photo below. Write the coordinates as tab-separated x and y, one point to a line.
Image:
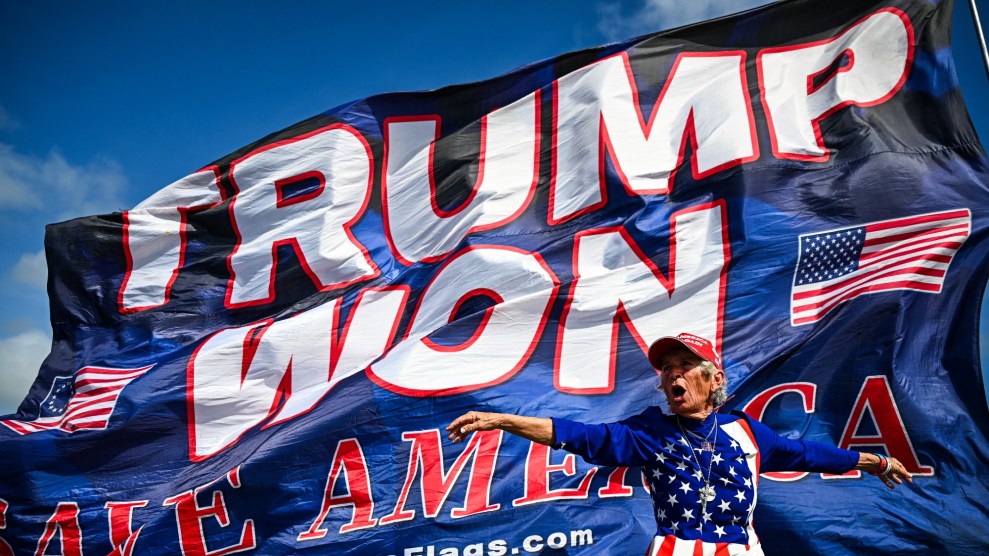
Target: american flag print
82	401
724	524
911	253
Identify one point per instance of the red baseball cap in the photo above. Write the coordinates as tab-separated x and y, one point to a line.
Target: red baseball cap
700	347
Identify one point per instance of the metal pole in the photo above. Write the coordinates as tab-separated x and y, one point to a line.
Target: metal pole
978	33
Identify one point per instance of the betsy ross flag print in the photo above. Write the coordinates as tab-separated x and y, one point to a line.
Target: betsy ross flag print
83	402
910	253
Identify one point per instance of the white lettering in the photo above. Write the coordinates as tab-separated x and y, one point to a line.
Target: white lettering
305	192
418	229
154	239
598	109
614	280
803	84
239	375
523	289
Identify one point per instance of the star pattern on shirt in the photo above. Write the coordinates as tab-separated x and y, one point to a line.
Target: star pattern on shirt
687	468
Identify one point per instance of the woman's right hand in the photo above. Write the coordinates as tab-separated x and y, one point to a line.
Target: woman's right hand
473	421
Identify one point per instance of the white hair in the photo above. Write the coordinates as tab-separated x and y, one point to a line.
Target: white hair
719	396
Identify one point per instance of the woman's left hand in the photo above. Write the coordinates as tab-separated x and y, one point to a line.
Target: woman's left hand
894	474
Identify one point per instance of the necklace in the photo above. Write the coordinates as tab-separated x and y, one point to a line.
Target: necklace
706	493
705	445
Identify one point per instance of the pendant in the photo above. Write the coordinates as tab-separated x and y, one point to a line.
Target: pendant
707	447
706	493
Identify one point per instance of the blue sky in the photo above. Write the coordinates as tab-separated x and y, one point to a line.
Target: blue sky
101	104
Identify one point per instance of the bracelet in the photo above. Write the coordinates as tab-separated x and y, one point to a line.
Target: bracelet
889	469
884	466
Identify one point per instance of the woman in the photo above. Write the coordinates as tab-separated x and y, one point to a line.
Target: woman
702	466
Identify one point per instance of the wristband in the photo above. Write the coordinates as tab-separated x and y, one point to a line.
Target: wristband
884	466
889	469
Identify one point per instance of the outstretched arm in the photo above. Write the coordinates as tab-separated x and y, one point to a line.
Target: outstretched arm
785	454
889	470
536	429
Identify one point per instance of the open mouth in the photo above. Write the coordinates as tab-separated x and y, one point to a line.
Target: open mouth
678	391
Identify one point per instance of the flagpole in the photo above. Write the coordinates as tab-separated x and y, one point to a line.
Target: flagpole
978	32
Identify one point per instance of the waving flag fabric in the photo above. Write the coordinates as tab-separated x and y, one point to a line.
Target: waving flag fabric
906	253
85	401
261	357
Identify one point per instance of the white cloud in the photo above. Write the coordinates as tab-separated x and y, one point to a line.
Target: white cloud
31	269
617	23
59	188
20	358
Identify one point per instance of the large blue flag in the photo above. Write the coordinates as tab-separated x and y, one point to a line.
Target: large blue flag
262	356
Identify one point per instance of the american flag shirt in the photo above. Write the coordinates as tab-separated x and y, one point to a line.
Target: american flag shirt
676	465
